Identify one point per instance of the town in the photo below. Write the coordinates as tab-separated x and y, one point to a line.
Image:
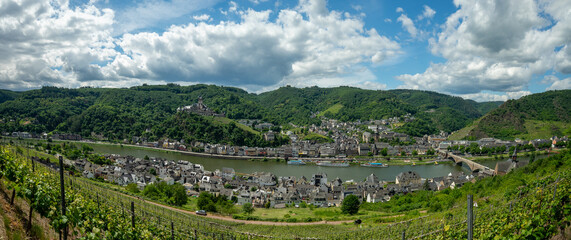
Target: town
369	139
260	188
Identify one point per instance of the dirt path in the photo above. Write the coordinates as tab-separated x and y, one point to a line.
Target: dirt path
230	219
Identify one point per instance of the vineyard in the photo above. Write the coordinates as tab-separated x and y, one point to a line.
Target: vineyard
537	209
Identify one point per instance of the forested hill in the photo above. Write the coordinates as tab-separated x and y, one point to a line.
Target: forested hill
148	110
540	115
438	111
6	95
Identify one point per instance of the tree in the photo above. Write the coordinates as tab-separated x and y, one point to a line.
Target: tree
430	151
248	208
179	196
350	205
205	202
426	185
132	187
384	152
414	152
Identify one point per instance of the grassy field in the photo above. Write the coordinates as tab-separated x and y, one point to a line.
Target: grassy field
333	109
241	126
535	130
462	133
544	129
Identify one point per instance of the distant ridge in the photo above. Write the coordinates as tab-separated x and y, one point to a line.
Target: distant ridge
146	111
540	115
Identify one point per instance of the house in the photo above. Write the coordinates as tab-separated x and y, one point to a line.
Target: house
319	199
269	136
367	137
319	179
408	178
228	173
364	149
265	179
372	180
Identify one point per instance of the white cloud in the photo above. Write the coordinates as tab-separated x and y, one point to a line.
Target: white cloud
149	13
357	7
399	10
497	46
407	24
45	44
360	77
488	97
256	2
233	6
305	44
203	17
557	84
257	53
388	20
427	13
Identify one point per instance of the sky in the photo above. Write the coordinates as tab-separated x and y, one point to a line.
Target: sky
485	50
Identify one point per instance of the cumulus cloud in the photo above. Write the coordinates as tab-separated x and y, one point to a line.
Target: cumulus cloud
427	13
557	84
490	96
52	44
497	46
149	13
306	44
407	24
203	17
256	2
257	52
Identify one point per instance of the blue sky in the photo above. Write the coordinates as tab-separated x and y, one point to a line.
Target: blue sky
481	50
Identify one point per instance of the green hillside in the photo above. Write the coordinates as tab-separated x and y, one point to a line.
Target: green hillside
541	115
145	110
7	95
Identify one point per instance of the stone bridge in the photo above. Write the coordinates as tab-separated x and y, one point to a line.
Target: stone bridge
474	166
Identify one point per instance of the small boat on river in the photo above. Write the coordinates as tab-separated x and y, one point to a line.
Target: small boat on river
295	162
332	164
374	165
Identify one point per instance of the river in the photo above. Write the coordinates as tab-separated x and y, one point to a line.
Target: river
356	173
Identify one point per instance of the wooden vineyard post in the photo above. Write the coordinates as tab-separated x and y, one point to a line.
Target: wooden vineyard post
62	190
403	235
172	230
32	198
470	219
133	214
555	191
13	196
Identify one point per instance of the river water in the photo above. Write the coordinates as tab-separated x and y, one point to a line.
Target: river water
356	173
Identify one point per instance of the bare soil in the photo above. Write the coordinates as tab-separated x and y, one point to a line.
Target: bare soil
17	216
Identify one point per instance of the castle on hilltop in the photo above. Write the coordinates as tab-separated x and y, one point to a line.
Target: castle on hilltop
200	108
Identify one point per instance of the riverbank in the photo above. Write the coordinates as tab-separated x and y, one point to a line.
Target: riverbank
425	168
354	161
